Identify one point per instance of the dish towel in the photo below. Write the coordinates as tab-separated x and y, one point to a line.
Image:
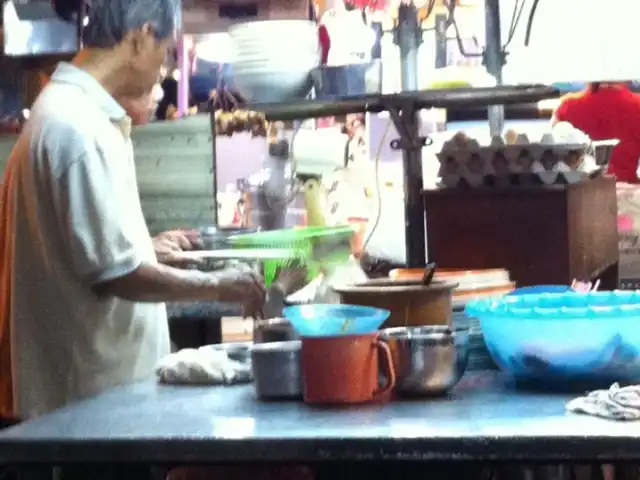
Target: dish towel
202	366
616	403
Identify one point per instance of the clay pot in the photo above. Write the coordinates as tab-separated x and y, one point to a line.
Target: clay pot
410	304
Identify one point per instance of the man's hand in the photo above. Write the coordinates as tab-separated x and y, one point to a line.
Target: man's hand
244	286
169	245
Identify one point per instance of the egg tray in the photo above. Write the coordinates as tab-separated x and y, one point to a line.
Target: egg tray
514	165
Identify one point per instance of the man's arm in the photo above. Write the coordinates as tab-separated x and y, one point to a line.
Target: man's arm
102	246
161	283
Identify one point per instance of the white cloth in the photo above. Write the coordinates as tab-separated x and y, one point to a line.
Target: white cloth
616	403
77	222
202	366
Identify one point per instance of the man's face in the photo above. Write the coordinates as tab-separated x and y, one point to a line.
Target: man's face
147	56
141	108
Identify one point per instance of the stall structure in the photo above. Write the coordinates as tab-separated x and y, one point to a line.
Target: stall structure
404	108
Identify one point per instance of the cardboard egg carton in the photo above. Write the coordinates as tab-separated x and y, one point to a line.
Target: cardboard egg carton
463	162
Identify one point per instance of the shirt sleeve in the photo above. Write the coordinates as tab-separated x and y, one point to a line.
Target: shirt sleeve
100	246
561	114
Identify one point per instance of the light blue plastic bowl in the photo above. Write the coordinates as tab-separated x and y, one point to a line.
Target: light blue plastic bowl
325	320
578	336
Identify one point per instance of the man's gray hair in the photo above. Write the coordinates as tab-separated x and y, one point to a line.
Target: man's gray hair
110	20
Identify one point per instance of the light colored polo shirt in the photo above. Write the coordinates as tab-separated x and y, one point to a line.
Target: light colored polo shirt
77	221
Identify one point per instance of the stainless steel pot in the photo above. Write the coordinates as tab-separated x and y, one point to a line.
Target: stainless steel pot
273	330
276	370
429	361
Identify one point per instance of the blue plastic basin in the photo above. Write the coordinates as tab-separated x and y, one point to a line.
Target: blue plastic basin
581	336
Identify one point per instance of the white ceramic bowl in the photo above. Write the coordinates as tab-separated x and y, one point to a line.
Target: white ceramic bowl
280	44
281	40
298	59
257	53
242	70
305	64
272	86
278	28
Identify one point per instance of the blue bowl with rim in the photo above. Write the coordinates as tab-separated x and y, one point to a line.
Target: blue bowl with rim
574	336
327	320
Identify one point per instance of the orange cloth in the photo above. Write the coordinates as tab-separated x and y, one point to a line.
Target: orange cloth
6	266
613	111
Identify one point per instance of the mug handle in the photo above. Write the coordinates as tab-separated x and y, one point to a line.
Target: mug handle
389	370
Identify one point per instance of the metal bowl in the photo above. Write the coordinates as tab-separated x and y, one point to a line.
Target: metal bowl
273	330
430	360
276	370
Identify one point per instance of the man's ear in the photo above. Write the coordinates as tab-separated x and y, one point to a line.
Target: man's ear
140	37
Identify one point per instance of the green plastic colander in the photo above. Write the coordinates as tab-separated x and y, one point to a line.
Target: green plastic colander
312	245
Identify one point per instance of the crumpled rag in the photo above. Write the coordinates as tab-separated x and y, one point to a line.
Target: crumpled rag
616	403
202	366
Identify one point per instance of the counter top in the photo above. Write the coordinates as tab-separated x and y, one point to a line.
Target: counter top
485	419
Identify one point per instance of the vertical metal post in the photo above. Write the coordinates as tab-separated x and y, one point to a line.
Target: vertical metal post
414	214
441	41
494	60
408	36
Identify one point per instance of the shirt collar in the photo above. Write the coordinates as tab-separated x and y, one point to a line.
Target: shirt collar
72	75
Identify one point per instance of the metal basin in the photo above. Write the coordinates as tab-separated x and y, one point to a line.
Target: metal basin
429	361
276	370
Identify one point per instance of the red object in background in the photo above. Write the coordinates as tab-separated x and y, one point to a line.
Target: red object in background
325	44
608	112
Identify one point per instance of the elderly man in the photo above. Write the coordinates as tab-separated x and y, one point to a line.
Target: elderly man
82	284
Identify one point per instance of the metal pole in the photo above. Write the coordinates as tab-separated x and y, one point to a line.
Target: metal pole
494	60
414	214
408	36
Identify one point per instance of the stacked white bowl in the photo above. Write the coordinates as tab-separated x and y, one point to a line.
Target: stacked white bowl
273	59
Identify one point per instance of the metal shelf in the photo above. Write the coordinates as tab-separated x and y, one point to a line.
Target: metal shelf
403	109
436	98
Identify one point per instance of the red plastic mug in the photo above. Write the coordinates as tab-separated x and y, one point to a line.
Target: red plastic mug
345	369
